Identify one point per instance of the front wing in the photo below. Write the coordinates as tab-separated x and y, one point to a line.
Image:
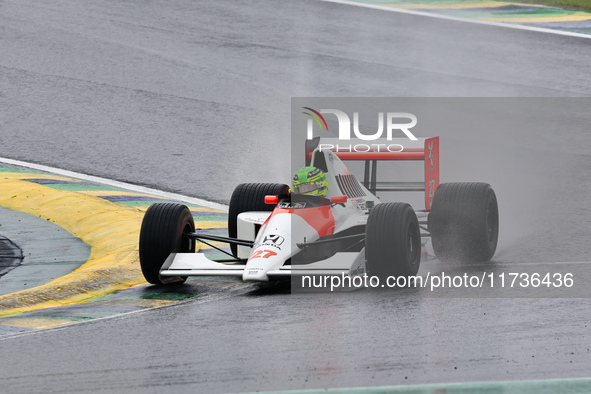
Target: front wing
196	264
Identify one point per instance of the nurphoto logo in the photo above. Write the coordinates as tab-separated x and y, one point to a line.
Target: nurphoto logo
395	121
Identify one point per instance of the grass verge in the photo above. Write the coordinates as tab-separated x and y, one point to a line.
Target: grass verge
575	5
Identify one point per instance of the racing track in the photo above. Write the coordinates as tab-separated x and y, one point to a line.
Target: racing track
193	98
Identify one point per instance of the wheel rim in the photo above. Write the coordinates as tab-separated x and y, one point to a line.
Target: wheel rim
491	221
413	247
186	242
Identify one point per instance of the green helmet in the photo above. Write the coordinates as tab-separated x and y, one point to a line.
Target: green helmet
310	181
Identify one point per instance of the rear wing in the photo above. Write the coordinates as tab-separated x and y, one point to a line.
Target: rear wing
424	150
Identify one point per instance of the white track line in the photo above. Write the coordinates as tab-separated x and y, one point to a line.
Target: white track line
457	19
207	297
118	184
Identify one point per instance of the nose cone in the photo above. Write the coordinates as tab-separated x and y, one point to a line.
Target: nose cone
255	275
275	244
262	260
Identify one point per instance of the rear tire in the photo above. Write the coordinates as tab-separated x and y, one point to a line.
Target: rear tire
464	222
162	234
250	197
392	241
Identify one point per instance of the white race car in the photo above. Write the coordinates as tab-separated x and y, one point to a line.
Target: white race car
275	234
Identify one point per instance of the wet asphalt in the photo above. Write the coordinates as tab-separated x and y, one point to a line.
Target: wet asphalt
194	97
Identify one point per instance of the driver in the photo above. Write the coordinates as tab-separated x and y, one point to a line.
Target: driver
310	181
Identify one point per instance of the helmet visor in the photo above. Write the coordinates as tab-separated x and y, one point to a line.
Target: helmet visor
307	188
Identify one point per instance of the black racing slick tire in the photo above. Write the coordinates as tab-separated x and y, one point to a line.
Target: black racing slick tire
161	234
464	222
250	197
392	241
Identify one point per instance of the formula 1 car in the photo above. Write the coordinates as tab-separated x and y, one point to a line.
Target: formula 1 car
275	234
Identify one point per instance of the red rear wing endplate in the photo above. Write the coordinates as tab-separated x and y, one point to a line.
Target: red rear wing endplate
431	157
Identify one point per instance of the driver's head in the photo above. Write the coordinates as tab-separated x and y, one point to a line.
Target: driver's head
310	181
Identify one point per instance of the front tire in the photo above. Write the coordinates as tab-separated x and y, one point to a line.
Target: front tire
392	241
464	222
250	197
161	234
